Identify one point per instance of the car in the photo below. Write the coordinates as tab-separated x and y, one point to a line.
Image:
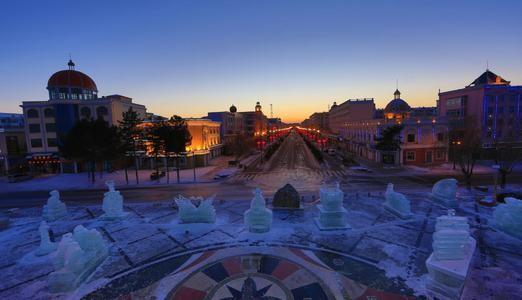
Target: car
156	176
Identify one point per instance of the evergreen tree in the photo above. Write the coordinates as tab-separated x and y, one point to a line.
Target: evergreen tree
130	135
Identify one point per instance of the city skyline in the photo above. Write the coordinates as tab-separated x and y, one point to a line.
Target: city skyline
298	57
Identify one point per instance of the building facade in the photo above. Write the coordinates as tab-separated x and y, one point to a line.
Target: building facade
318	120
349	111
492	103
72	96
424	137
13	145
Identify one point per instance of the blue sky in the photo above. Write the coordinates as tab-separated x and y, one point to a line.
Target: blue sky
190	57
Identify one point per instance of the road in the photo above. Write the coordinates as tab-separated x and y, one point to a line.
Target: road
292	154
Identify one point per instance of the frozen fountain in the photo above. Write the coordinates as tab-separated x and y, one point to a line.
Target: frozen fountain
445	192
508	217
54	209
332	214
258	218
112	203
190	213
46	246
453	249
78	255
397	203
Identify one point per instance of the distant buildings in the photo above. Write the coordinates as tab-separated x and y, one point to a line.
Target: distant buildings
72	96
492	103
206	139
318	120
350	110
424	135
12	142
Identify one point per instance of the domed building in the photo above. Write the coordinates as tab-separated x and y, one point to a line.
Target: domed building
71	84
73	95
397	108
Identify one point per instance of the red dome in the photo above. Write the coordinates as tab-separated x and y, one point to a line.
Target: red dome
71	78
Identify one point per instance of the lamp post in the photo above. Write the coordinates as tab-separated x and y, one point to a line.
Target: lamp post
194	164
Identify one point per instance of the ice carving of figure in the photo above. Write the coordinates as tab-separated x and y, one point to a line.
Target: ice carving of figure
190	213
332	214
78	254
54	209
397	203
451	237
508	217
112	202
46	246
445	192
258	218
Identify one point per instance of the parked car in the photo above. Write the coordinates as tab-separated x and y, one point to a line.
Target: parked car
156	176
331	151
18	177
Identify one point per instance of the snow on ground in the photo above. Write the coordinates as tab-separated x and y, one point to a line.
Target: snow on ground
81	180
381	251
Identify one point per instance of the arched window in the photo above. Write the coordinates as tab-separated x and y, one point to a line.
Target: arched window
49	113
32	113
101	111
85	112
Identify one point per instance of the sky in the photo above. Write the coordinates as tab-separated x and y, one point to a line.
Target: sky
192	57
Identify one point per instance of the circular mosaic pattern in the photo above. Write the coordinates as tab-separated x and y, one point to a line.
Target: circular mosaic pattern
252	276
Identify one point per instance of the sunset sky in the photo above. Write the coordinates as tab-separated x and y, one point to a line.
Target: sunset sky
191	57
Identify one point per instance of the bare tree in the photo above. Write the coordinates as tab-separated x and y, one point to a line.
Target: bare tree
469	149
506	156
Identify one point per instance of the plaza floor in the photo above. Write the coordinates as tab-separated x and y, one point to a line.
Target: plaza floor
153	256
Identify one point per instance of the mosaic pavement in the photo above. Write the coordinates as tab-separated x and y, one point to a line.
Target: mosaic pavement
152	255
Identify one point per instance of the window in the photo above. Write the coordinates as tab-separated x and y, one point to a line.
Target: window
411	138
410	155
36	143
49	113
34	128
440	136
32	113
50	127
51	142
439	154
101	111
85	112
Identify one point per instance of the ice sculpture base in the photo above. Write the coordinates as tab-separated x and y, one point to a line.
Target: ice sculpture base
451	203
447	277
63	281
106	217
332	220
396	212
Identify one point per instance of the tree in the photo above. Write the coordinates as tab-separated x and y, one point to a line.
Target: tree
153	135
130	133
469	149
179	139
390	140
506	156
92	142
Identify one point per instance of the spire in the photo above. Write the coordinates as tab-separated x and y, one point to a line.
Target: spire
397	94
70	63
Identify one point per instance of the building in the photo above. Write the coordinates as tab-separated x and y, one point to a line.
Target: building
424	137
73	95
231	122
318	120
13	146
206	139
492	102
349	111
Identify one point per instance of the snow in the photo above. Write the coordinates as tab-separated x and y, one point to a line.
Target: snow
152	231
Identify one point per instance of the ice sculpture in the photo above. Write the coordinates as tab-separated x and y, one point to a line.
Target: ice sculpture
46	246
396	203
112	203
190	213
332	214
77	256
452	252
508	217
258	218
445	192
54	209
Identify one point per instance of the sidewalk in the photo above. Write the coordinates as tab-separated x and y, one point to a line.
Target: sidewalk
81	180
